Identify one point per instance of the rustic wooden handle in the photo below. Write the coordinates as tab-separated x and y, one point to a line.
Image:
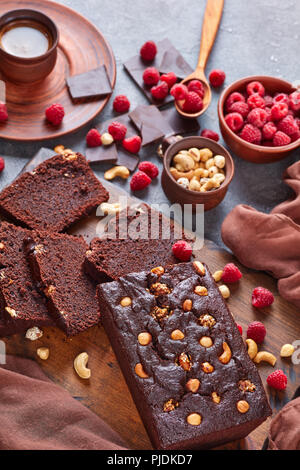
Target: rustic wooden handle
211	21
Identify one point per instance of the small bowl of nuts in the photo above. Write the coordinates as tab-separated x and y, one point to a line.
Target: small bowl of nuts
197	170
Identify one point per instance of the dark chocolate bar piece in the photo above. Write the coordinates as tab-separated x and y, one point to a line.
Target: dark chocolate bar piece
178	123
173	61
94	83
151	123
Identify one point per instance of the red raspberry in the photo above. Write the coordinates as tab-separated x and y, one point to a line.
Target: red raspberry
288	125
93	138
298	122
279	111
170	79
231	273
240	328
139	181
280	139
192	103
256	101
269	130
151	76
3	112
55	114
234	121
257	117
251	134
148	51
295	136
295	101
217	77
179	92
239	107
281	98
159	92
2	164
233	98
210	134
255	87
117	130
121	104
277	380
269	114
262	297
197	87
132	144
268	101
149	168
182	250
256	331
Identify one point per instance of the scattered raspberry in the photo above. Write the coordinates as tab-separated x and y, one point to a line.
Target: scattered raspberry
132	144
209	134
280	139
257	117
277	380
279	111
151	76
149	168
281	98
197	87
93	138
288	125
231	273
268	101
121	104
217	77
170	79
256	331
159	92
255	87
117	130
295	101
148	51
262	297
256	101
240	107
240	328
139	181
55	114
3	112
234	121
251	134
179	92
2	164
192	103
182	250
269	130
234	98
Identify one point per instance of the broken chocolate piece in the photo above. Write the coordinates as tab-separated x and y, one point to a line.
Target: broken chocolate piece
151	123
102	154
91	84
178	123
172	61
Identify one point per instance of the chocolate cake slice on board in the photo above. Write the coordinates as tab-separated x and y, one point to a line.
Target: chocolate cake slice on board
56	194
56	262
22	306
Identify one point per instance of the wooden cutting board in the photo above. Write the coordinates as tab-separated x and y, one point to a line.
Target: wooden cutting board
106	393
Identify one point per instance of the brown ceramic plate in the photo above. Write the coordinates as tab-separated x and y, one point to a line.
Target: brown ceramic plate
81	48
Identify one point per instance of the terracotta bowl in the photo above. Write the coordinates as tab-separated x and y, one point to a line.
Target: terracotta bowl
251	152
28	70
177	193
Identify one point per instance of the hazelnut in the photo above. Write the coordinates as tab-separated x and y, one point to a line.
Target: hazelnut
219	178
183	182
219	161
218	275
207	367
170	405
33	333
144	338
195	154
194	185
212	171
207	320
242	406
192	385
43	353
205	154
206	341
139	370
159	313
200	290
199	268
215	397
224	291
184	361
125	301
159	270
194	419
210	162
187	305
177	335
1	246
159	288
287	350
107	139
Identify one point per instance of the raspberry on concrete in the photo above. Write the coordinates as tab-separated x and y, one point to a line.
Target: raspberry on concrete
209	134
132	144
231	273
2	164
149	168
234	121
117	130
121	104
277	380
148	51
255	87
170	79
93	138
251	134
217	77
139	181
197	87
256	331
262	297
159	92
55	114
280	139
182	250
151	76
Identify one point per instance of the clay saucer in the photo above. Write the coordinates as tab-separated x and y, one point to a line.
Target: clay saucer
81	48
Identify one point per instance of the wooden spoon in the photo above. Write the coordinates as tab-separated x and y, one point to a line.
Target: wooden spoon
211	21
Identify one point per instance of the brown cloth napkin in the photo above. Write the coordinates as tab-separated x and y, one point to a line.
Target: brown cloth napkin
270	242
36	414
284	431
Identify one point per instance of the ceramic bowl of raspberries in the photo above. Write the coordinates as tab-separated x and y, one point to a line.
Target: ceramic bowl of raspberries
259	118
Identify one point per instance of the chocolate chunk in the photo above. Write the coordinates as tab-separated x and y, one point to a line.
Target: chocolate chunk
127	159
42	155
94	83
102	154
151	123
172	61
178	123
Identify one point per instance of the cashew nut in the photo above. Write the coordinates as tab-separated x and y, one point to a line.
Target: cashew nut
184	162
226	355
80	363
219	177
210	184
201	173
121	171
110	208
195	154
252	348
181	174
264	356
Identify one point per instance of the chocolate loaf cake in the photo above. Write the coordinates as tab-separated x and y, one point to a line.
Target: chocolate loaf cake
183	357
22	306
56	262
56	194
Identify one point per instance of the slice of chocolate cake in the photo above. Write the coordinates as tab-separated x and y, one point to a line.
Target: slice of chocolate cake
57	193
56	262
22	306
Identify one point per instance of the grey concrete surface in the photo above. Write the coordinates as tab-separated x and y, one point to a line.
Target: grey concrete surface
255	37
